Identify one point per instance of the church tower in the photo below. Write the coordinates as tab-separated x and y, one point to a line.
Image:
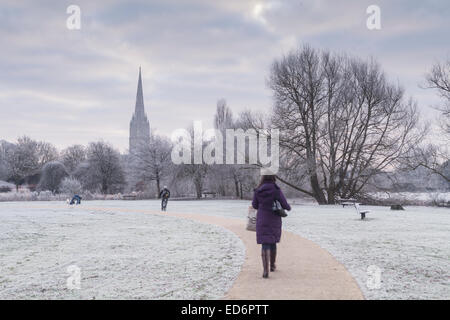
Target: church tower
139	125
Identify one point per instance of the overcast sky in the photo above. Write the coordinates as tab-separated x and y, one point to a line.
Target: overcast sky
76	86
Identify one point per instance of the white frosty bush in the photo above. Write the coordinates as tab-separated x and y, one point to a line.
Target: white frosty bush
71	186
117	196
26	195
44	195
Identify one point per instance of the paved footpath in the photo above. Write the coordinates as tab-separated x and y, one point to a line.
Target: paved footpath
304	269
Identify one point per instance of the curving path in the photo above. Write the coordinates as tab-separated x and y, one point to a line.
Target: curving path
304	269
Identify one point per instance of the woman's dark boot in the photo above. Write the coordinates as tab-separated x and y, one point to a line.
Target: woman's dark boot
273	257
265	255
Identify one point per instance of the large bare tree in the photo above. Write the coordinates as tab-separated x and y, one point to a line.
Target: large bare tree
103	168
341	122
52	175
435	156
151	161
224	174
5	149
73	156
439	79
22	160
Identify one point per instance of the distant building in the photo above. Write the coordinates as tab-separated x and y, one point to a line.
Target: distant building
139	125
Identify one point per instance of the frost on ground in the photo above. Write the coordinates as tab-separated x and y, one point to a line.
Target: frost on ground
416	197
136	255
411	247
120	255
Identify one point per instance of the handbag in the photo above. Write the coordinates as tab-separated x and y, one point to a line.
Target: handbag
251	219
278	209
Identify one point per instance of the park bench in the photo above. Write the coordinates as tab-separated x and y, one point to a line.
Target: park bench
346	202
209	193
352	202
361	212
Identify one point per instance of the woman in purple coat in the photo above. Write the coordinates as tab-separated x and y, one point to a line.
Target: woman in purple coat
268	224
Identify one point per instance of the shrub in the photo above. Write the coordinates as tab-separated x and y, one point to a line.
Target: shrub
71	186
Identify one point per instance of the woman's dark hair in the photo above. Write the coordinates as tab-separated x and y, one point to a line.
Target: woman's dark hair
268	178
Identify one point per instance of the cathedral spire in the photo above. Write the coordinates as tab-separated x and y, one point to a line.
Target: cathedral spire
139	109
139	125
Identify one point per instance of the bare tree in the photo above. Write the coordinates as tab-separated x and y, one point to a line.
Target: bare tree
151	162
341	121
222	174
72	157
439	79
435	156
53	173
196	173
83	175
430	157
22	160
103	168
46	152
223	119
5	149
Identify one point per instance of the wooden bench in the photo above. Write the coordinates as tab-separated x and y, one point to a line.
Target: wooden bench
207	193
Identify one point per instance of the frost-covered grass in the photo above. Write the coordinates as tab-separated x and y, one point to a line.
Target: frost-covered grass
120	255
411	247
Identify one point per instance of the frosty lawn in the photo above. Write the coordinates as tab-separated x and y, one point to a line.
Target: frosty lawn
134	255
121	255
411	247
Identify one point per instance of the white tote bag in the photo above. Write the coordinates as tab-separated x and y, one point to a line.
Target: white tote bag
251	219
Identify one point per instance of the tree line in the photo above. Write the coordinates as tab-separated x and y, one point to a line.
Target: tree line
342	125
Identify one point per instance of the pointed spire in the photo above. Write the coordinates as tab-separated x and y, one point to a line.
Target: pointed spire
139	109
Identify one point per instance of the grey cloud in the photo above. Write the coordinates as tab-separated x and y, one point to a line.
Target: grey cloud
76	86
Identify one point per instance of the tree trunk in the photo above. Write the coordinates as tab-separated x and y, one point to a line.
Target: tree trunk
318	194
331	195
198	188
240	190
236	185
158	186
104	187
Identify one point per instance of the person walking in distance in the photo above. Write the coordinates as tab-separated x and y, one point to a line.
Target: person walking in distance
268	224
164	195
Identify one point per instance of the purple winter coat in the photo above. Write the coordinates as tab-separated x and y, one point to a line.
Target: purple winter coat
268	224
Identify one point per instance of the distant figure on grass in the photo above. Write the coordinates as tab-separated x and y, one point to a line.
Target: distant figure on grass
268	224
76	199
164	195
